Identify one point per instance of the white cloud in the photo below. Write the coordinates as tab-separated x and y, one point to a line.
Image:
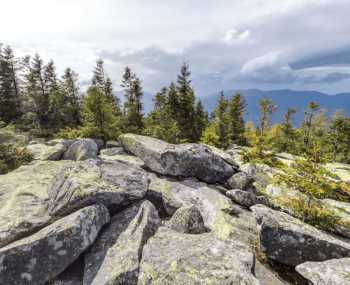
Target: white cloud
234	35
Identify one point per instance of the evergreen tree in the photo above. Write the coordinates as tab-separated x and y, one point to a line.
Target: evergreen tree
201	121
186	105
133	108
267	108
287	141
339	138
313	108
9	86
173	101
98	116
236	109
70	88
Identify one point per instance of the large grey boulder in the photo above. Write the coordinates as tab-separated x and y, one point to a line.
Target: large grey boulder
115	256
112	183
175	258
42	256
220	215
291	242
42	151
245	198
185	160
188	220
82	149
24	199
240	180
330	272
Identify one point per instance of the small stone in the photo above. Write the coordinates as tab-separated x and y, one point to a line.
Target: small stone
188	220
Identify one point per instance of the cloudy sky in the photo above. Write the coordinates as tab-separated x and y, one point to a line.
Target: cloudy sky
267	44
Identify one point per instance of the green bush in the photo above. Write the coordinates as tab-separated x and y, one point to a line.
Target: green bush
12	157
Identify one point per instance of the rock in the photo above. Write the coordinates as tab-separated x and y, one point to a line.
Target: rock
129	159
82	149
185	160
46	152
42	256
100	143
111	144
224	155
73	275
339	169
330	272
175	258
115	256
240	180
188	220
220	216
114	184
24	199
261	174
245	198
289	241
112	151
66	142
266	276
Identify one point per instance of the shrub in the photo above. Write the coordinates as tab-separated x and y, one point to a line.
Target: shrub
12	157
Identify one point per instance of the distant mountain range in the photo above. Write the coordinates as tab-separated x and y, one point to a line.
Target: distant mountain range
285	99
282	98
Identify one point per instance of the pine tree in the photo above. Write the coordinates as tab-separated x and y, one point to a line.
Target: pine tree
9	86
287	142
267	108
133	108
201	121
186	104
173	101
236	109
313	108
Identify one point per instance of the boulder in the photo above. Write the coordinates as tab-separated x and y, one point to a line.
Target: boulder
129	159
112	151
185	160
66	142
42	256
24	199
112	183
245	198
170	257
188	220
115	256
43	151
82	149
240	180
289	241
111	144
220	215
330	272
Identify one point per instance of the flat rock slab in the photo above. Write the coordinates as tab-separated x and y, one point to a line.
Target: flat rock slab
112	183
291	242
330	272
43	151
82	149
24	199
185	160
42	256
174	258
115	256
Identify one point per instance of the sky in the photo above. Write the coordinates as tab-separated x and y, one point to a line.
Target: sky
229	44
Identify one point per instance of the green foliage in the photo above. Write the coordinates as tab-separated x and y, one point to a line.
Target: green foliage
236	110
12	157
210	136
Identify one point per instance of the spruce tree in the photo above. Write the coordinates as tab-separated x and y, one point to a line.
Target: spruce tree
287	142
9	86
310	113
186	104
236	109
133	107
201	121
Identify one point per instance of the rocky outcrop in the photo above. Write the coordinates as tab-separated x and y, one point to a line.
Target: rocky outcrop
186	160
330	272
188	220
112	151
245	198
115	256
289	241
42	256
175	258
82	149
240	180
114	184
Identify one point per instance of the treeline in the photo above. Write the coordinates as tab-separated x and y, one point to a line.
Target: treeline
36	99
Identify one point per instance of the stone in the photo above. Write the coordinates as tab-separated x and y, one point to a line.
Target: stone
240	180
66	142
112	151
289	241
129	159
188	220
112	183
24	199
330	272
43	151
82	149
45	254
185	160
115	256
111	144
245	198
170	257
